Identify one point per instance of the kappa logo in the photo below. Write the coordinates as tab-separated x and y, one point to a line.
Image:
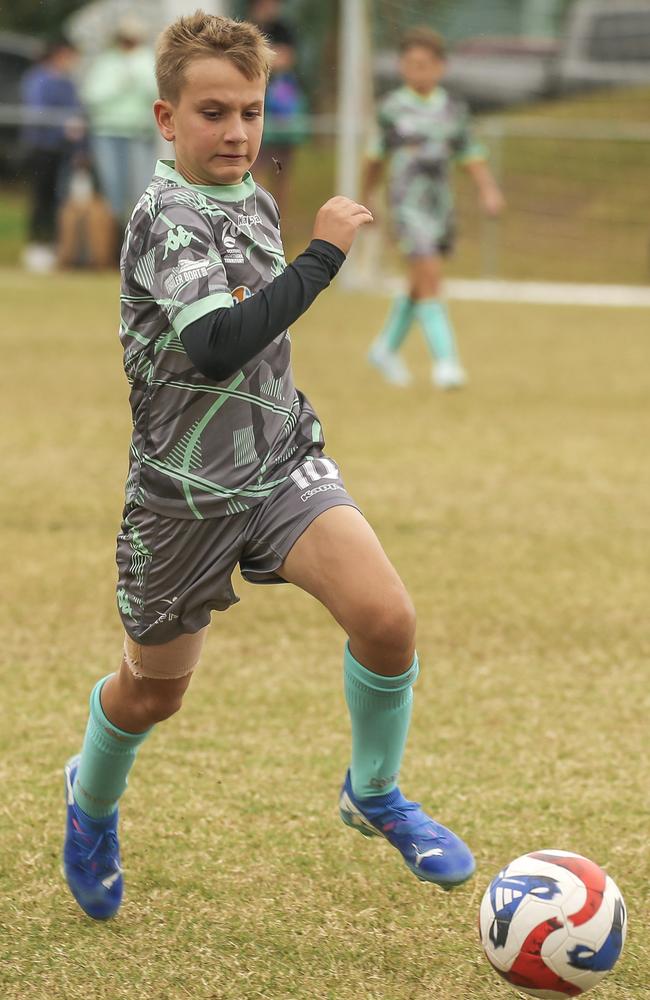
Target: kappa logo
323	488
177	238
249	220
123	602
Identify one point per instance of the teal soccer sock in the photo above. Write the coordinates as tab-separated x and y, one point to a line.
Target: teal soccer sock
397	325
380	711
107	756
438	331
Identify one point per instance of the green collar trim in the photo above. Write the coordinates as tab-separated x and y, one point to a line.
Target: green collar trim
436	97
223	192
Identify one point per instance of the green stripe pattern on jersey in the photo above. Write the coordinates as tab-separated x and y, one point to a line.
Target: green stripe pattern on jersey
202	448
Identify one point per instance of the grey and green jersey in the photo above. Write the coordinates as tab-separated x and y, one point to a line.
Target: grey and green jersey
421	136
202	448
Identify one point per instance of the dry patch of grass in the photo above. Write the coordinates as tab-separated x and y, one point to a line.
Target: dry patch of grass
516	512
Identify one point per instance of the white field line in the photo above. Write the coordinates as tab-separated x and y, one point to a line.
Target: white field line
534	292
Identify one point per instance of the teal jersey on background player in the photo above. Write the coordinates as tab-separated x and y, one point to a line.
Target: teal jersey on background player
421	136
202	448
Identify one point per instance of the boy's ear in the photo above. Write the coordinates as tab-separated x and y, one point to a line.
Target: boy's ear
164	115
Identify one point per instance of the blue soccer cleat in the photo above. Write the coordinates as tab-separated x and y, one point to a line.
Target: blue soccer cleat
91	856
431	851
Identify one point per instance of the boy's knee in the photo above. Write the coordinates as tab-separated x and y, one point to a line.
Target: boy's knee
161	701
155	678
391	625
152	701
400	624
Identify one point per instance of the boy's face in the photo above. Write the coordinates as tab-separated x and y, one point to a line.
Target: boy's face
65	58
216	124
421	69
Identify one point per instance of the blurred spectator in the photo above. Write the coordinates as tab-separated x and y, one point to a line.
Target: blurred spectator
119	90
86	230
267	15
285	107
49	96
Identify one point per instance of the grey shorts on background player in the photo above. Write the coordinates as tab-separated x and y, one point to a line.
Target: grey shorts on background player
173	571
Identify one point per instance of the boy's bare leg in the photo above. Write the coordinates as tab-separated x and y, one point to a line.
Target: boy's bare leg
339	560
424	277
135	703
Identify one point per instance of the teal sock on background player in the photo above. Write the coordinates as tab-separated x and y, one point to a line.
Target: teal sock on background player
438	331
397	325
107	756
380	712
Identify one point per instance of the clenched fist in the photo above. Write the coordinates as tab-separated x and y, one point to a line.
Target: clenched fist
338	221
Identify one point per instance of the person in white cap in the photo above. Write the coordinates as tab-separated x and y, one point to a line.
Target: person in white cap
118	91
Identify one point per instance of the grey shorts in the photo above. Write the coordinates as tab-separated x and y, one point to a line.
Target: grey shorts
423	220
172	572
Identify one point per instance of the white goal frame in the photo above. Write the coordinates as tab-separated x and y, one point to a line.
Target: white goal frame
354	123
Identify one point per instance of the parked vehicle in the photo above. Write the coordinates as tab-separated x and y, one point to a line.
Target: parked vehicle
493	72
605	43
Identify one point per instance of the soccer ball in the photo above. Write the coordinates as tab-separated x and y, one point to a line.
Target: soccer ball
552	924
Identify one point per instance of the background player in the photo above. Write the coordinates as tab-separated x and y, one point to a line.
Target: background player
421	130
227	464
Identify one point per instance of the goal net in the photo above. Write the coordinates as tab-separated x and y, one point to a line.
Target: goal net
572	158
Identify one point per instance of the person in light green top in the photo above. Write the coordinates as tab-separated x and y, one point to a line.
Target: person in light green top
118	91
422	130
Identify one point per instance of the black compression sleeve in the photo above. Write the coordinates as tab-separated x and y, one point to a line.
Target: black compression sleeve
219	343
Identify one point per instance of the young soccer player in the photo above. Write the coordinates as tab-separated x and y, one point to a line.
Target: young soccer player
421	130
227	464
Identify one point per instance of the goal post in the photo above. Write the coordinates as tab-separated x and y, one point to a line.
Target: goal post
573	169
352	93
355	115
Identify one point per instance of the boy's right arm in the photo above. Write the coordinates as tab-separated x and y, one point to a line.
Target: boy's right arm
372	173
376	152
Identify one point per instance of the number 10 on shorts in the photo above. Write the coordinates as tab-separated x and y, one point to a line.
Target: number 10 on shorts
308	472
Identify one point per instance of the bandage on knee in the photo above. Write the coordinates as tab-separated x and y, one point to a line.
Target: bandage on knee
167	661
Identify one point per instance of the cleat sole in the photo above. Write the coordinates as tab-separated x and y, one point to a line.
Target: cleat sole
348	819
447	885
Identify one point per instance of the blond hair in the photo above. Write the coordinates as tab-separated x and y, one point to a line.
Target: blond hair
424	38
198	35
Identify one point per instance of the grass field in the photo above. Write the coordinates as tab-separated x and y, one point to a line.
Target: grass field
517	514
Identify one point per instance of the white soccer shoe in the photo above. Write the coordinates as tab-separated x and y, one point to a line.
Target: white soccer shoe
390	365
38	258
448	375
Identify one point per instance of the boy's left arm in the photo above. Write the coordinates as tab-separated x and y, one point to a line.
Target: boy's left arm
492	200
472	156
